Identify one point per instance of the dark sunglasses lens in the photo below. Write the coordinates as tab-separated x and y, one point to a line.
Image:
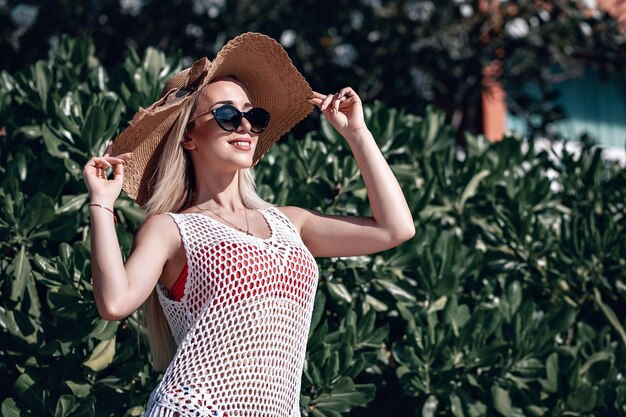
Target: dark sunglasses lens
258	119
228	117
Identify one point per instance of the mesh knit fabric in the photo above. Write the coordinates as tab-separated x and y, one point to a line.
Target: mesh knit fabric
242	324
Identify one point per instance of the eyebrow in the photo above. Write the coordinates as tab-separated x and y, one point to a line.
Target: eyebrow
247	104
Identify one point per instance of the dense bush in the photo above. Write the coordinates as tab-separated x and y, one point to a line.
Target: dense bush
509	301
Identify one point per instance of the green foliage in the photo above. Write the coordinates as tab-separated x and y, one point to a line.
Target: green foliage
509	301
59	356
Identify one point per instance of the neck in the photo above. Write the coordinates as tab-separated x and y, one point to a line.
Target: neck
218	191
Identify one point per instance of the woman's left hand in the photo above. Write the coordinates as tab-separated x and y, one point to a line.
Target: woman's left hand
343	110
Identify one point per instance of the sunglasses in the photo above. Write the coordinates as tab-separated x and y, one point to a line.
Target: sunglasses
229	118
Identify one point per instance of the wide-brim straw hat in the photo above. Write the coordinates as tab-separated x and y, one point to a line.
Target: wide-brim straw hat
256	60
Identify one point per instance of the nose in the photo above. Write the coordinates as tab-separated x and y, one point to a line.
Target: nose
245	126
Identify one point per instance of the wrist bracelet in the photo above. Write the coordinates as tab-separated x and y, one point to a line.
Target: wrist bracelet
106	208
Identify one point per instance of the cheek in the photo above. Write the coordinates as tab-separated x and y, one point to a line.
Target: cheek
206	131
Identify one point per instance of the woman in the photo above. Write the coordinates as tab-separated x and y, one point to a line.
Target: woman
229	276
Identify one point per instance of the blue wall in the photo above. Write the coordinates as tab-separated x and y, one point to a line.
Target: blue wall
593	104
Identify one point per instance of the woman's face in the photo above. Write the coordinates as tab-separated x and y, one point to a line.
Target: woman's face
211	144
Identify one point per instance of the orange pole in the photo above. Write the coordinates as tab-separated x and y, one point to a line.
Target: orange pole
493	99
617	9
492	94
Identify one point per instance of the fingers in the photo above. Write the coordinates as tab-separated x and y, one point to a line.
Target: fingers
348	98
318	95
118	173
106	161
337	99
322	101
347	93
101	185
125	156
334	101
99	166
326	102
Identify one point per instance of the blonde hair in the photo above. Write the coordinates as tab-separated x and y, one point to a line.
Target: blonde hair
173	190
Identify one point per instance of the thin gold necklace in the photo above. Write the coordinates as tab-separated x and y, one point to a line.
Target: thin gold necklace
247	231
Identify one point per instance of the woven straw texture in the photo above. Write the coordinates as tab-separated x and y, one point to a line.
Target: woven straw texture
242	324
259	62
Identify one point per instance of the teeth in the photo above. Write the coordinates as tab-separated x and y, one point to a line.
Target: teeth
239	143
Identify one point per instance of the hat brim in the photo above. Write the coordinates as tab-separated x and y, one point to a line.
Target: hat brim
256	60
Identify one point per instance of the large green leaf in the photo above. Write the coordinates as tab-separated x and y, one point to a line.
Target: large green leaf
21	274
102	355
30	391
502	401
9	408
610	315
42	80
345	395
93	128
39	211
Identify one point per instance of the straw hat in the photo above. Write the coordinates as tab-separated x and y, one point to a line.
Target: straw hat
256	60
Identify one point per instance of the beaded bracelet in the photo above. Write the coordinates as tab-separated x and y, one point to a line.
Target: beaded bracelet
106	208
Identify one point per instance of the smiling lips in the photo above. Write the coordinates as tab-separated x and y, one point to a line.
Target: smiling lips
241	144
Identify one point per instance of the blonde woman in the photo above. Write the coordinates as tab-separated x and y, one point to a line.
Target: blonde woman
227	279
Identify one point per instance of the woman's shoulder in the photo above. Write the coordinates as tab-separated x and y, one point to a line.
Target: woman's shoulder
156	240
159	226
290	210
160	219
296	215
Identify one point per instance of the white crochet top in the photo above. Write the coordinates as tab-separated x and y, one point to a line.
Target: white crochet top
242	324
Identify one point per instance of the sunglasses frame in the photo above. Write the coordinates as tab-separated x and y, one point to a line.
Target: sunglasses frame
241	115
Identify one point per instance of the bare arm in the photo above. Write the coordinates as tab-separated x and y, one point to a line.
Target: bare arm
119	289
391	222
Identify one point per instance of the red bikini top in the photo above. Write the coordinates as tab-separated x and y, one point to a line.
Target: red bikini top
178	289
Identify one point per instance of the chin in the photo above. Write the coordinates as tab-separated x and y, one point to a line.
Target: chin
244	164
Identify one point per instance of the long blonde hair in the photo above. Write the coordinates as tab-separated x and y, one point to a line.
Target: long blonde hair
173	188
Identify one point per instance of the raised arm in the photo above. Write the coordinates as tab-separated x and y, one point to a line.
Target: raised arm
119	289
391	222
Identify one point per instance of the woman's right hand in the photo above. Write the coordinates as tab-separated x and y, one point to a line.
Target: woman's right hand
101	189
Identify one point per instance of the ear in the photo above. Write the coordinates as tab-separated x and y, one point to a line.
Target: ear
188	143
